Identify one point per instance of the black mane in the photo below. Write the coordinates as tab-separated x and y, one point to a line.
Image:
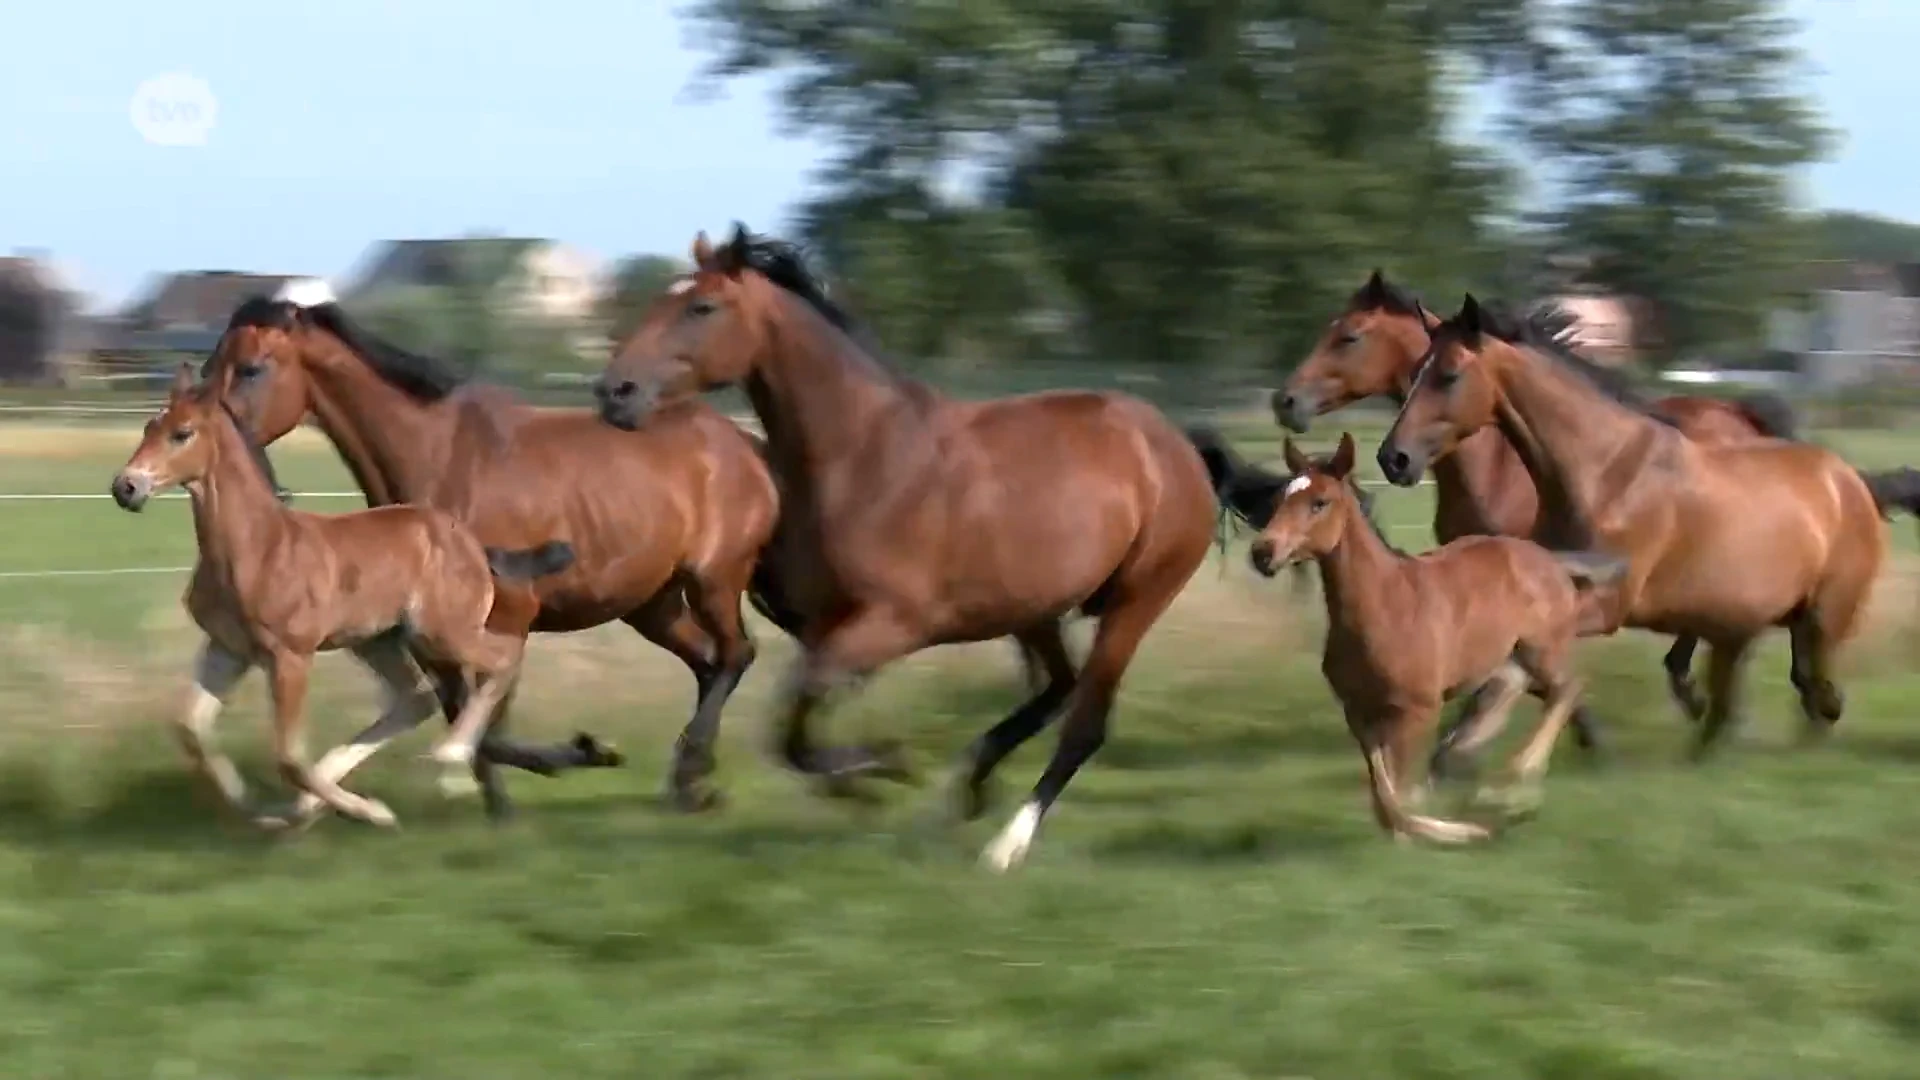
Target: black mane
1549	329
417	375
785	264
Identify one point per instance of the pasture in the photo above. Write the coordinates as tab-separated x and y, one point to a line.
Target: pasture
1211	900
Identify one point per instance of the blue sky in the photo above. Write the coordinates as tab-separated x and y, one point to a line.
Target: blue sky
343	123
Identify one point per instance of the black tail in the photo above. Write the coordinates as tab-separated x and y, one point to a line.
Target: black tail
1251	492
1896	489
1772	414
549	558
767	596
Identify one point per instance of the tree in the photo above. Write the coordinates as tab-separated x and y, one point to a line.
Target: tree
637	281
1865	238
1671	131
1175	180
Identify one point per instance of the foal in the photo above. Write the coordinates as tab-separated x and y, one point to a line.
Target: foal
1406	633
273	586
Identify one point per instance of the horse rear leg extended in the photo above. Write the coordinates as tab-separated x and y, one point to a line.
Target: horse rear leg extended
1126	621
1046	646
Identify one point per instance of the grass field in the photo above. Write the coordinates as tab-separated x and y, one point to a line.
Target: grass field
1211	900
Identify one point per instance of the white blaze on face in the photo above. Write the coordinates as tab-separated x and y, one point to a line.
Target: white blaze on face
1297	485
680	286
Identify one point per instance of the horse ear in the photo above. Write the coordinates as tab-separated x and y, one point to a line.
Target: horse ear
1342	463
1297	462
182	381
1374	293
701	252
1469	318
732	258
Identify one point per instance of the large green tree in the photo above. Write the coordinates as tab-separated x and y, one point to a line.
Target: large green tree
1160	180
1670	134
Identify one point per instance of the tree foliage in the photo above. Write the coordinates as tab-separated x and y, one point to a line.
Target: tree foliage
1162	180
1672	131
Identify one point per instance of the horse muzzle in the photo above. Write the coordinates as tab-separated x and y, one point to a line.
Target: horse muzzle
1295	411
130	492
623	402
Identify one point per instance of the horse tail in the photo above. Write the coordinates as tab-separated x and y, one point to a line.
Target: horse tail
1591	569
1250	492
1895	489
1770	414
767	594
528	563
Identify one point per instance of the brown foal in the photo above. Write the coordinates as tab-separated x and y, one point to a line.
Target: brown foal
1723	541
666	524
920	520
1405	633
274	586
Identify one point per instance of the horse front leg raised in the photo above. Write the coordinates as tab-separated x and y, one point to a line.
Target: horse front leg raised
846	653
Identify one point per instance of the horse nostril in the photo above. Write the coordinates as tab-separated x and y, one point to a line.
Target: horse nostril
624	389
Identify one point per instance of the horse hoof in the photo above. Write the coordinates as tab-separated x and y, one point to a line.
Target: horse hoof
458	785
378	814
695	799
595	754
889	762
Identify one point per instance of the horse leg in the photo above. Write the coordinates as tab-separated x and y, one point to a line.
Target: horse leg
290	671
215	673
1546	668
1723	690
849	651
1377	741
1122	626
1817	632
1679	664
1046	645
1484	716
714	603
494	659
407	704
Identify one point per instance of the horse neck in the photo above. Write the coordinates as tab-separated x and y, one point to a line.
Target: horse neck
819	397
1466	476
394	445
235	509
1566	433
1359	577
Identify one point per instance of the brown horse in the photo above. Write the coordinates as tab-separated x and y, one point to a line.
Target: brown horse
920	520
1482	488
1722	540
1405	633
274	586
666	525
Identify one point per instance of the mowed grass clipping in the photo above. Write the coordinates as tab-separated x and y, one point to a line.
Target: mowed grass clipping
1211	900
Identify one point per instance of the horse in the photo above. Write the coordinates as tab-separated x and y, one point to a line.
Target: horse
273	586
666	525
1370	350
1407	632
922	520
1722	540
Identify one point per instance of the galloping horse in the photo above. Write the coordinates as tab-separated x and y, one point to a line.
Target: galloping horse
921	520
1406	632
666	525
1482	488
1722	540
274	586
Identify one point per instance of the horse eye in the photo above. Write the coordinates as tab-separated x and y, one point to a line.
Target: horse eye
251	370
1445	379
702	307
181	435
1346	338
1320	504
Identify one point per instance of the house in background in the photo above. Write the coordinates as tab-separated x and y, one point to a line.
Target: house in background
1607	327
182	313
542	278
44	333
1860	325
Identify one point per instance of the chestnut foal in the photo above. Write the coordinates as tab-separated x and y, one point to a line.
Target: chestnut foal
1407	633
273	586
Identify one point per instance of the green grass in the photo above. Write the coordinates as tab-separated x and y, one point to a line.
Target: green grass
1211	900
